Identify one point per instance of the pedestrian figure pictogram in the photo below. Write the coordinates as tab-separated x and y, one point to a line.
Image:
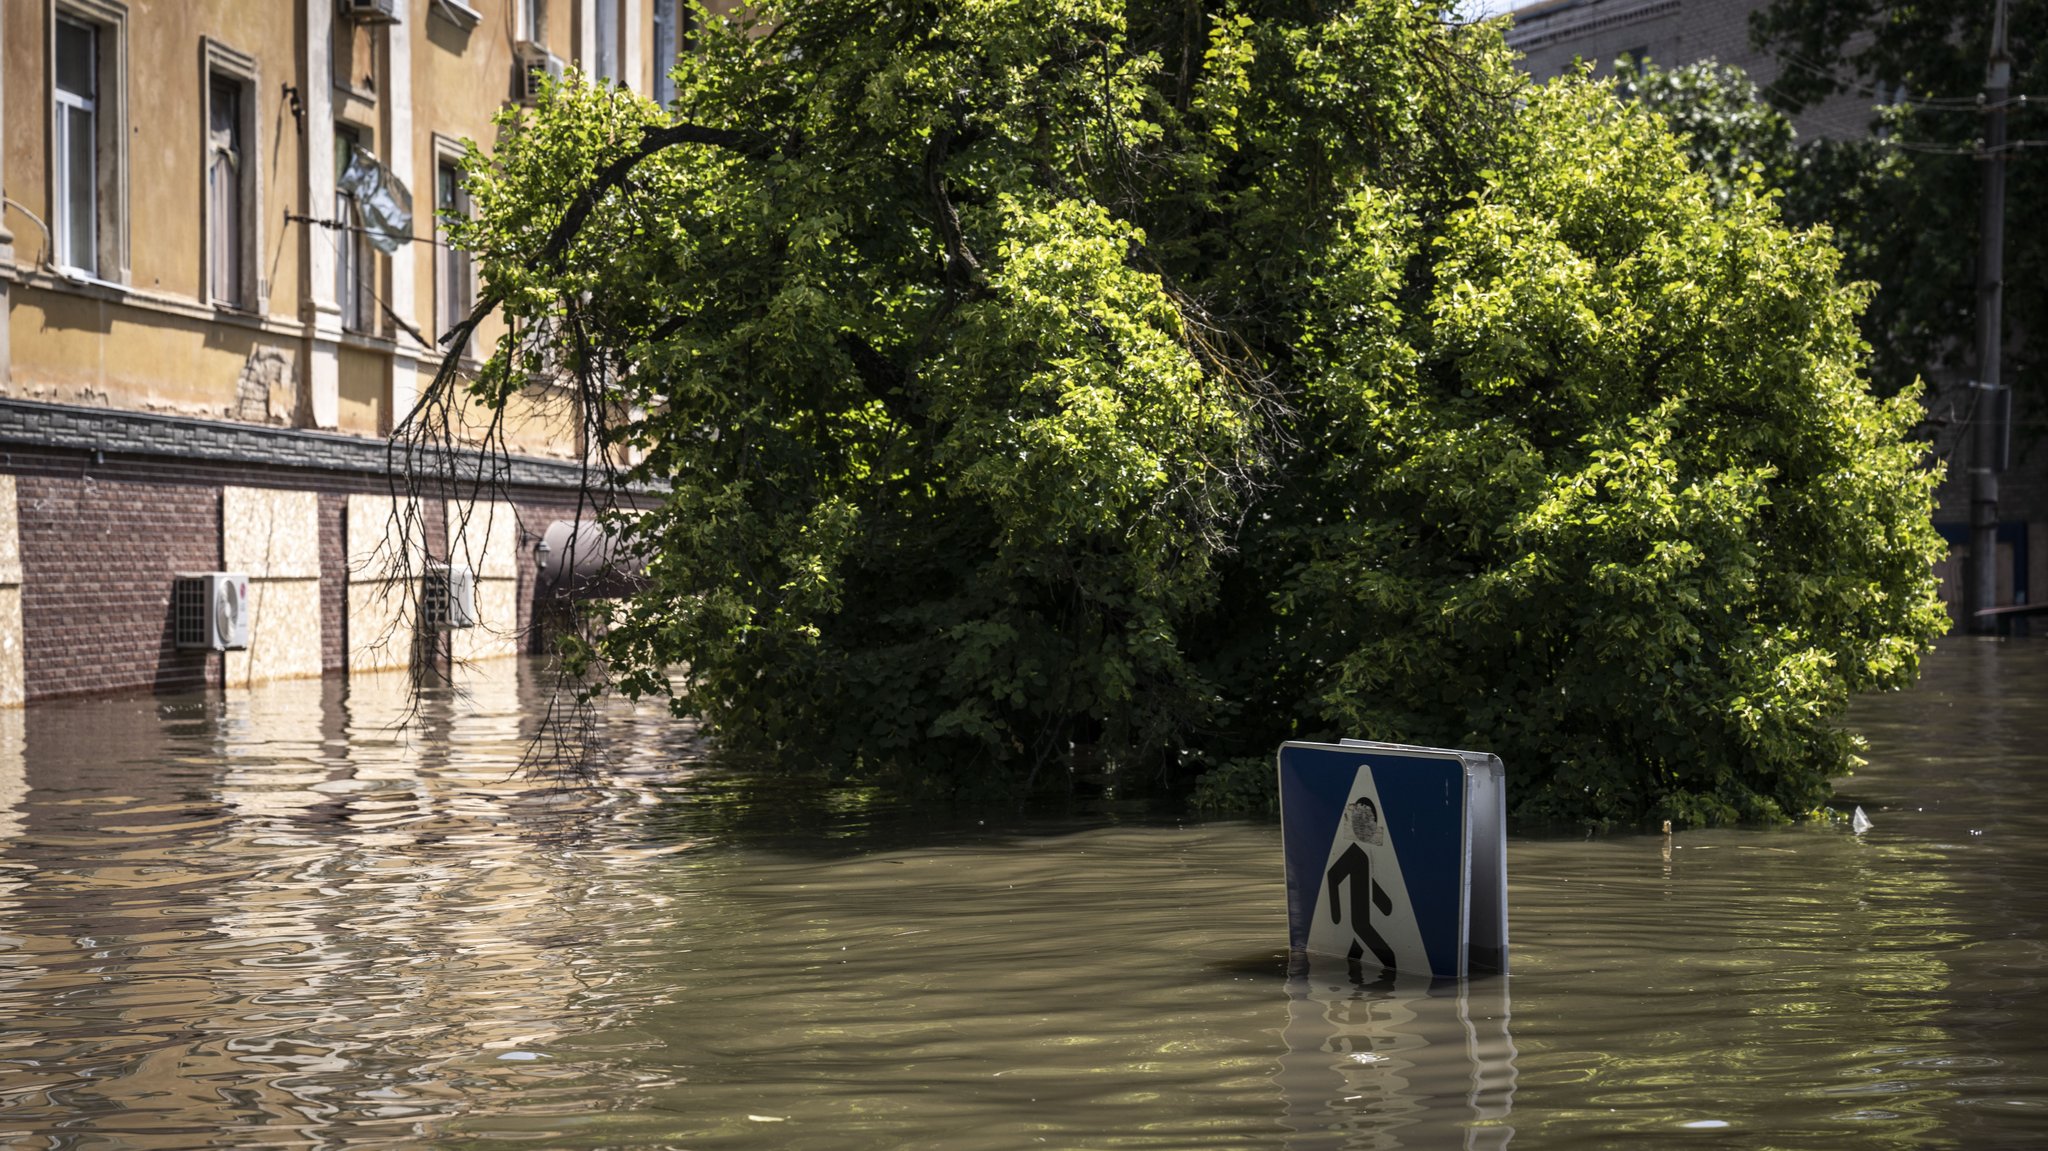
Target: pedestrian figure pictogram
1354	869
1395	857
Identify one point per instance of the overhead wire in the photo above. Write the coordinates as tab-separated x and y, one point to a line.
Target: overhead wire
1934	148
1891	99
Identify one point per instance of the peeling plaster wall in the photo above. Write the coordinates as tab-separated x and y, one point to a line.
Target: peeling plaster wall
273	537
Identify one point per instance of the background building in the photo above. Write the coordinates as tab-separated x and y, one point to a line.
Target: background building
1556	35
197	368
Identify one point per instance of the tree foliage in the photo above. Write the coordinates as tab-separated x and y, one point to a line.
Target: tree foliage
1905	202
1725	126
1031	384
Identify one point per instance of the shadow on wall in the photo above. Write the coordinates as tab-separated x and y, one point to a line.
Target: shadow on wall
181	668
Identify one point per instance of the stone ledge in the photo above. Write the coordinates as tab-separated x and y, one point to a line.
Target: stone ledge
81	428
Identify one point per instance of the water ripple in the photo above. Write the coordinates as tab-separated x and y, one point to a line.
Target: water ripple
270	919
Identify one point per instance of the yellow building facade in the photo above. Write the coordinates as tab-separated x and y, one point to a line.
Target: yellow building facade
205	345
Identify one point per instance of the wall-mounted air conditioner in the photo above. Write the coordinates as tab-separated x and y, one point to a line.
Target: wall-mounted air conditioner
370	11
534	61
448	597
210	610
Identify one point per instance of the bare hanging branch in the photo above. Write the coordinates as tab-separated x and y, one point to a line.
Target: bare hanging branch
435	451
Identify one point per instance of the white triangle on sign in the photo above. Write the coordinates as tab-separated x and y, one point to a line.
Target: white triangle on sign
1396	928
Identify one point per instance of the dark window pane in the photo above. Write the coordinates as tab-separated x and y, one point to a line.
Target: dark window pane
454	302
348	242
226	98
224	189
75	45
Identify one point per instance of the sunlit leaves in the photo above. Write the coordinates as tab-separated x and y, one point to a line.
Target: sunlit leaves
1076	384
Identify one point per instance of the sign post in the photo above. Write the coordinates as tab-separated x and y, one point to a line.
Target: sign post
1396	856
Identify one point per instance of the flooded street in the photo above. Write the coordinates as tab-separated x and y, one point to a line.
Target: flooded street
267	919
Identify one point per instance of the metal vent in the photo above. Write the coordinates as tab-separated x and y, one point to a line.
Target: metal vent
448	597
188	611
533	62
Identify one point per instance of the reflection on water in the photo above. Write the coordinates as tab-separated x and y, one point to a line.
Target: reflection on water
1395	1061
277	917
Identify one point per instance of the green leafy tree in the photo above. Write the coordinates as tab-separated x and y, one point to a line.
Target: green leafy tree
1034	384
1905	202
1726	127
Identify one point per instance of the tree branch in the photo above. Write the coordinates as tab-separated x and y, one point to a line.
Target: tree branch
654	139
884	379
961	263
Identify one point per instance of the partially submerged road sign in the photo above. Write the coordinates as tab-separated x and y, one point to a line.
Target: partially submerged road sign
1396	856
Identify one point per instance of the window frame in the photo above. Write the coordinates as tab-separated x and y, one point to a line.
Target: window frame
532	20
675	28
109	21
449	262
608	64
352	247
249	293
64	222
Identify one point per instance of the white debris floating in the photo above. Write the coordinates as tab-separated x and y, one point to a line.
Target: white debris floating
1859	822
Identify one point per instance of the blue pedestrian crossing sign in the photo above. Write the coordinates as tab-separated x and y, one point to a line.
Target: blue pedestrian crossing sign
1396	856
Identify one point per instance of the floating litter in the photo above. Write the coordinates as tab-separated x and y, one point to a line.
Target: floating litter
1859	822
1707	1124
521	1056
768	1118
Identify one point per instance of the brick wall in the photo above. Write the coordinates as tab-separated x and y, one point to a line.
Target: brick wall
1552	36
333	582
97	563
103	533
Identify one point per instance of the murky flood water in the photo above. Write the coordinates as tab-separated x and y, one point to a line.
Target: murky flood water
265	919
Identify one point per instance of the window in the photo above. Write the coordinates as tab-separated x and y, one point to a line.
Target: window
233	202
607	67
88	153
533	21
670	34
351	249
452	283
75	166
224	214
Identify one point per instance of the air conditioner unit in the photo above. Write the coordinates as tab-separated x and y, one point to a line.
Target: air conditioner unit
448	597
370	11
210	610
534	62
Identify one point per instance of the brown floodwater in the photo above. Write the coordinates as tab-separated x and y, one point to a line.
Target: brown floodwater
270	919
